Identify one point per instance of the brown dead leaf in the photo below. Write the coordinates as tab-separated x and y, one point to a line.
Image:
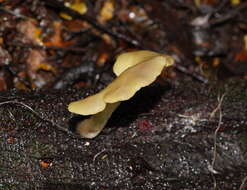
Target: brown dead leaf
3	85
11	140
216	62
56	39
18	83
5	57
241	56
76	25
45	163
31	32
102	58
34	60
245	42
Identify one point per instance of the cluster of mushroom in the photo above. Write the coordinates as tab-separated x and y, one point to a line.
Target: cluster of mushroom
134	70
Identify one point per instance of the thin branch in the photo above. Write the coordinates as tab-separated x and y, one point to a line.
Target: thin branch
18	15
195	76
242	186
230	14
96	155
75	49
40	117
218	108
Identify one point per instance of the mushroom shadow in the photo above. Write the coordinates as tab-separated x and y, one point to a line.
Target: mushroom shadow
128	111
75	120
143	101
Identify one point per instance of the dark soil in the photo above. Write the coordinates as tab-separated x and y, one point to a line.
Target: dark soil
162	139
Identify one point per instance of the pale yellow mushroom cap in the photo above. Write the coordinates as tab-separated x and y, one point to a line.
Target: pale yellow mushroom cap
134	70
129	59
135	76
88	106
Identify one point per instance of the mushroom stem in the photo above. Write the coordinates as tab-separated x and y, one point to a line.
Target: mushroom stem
135	70
90	128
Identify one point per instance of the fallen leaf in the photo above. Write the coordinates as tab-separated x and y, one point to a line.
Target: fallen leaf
34	61
235	2
107	11
77	6
31	32
241	56
56	39
3	85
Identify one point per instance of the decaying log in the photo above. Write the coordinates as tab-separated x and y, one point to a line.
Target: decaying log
183	137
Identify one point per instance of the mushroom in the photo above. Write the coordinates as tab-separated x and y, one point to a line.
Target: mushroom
134	70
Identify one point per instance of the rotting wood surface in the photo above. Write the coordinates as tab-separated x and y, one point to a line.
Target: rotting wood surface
164	138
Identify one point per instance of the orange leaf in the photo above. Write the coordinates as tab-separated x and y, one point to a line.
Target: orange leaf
77	6
56	39
241	56
107	11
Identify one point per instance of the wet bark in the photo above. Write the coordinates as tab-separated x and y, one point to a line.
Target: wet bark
164	138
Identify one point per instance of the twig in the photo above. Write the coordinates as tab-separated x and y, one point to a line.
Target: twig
92	21
215	182
184	70
75	49
72	75
38	115
231	14
222	4
96	155
18	15
243	183
218	108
